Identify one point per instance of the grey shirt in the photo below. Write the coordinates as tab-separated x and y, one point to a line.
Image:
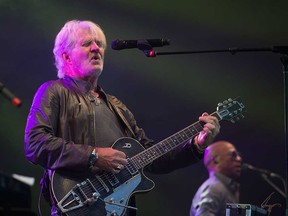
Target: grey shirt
213	194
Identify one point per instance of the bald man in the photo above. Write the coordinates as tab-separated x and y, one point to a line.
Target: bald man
223	163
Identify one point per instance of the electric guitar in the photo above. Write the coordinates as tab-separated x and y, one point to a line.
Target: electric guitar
107	193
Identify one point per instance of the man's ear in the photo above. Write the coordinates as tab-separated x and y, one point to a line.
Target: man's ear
66	57
215	160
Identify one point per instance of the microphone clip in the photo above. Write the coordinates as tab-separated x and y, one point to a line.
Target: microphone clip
146	48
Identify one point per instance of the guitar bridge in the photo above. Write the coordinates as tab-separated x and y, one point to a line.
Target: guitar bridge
72	200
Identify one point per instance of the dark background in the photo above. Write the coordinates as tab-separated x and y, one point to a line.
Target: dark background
166	93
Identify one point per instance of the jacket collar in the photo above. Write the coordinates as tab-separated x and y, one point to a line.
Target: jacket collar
81	85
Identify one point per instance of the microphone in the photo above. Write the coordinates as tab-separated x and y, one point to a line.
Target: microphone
259	170
142	44
8	94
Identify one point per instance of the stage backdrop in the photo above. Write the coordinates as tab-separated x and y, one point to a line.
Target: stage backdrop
165	93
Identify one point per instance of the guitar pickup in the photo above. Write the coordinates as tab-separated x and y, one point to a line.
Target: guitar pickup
112	179
131	168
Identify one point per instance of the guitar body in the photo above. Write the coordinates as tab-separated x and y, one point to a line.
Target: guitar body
103	194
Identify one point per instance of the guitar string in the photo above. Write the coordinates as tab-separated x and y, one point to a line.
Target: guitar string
166	145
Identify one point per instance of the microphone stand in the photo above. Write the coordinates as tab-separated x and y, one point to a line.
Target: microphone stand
284	61
283	193
283	50
276	49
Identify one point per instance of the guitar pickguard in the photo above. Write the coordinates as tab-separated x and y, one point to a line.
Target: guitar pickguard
121	196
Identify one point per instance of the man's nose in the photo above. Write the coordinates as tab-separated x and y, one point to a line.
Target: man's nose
94	46
239	157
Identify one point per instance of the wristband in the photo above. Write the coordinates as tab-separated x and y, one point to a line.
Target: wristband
200	149
93	158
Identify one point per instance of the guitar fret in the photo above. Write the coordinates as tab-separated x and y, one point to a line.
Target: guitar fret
192	129
185	134
152	153
171	142
157	148
164	146
138	162
189	132
198	127
179	137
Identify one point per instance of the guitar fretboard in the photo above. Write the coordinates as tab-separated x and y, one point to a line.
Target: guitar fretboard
149	155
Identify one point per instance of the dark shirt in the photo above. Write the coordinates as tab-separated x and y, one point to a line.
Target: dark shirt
213	194
108	128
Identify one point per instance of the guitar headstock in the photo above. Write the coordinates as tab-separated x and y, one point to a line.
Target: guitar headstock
231	109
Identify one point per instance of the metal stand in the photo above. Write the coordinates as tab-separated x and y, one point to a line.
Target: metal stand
284	60
283	50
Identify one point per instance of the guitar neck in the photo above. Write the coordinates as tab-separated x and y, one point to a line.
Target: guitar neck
149	155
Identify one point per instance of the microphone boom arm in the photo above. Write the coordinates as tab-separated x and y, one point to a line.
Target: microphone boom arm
275	49
265	177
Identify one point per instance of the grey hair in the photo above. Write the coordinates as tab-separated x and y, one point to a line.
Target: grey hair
67	38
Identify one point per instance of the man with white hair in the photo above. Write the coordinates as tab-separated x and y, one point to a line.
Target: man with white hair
72	127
